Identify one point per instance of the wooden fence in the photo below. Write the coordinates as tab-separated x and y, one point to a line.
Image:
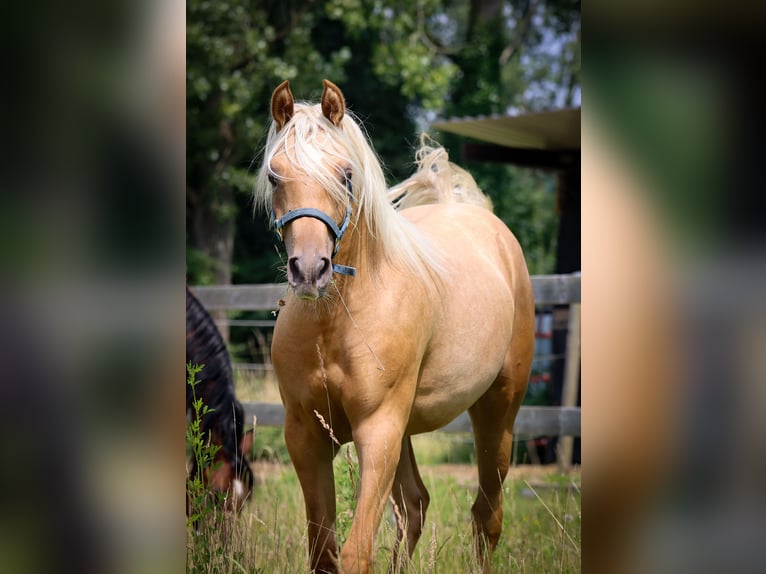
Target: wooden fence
532	421
548	289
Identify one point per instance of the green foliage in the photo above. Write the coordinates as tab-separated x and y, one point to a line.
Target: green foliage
198	446
346	471
402	56
526	201
528	207
200	266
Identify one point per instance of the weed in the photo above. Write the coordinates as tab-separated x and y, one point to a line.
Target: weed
211	532
200	449
346	470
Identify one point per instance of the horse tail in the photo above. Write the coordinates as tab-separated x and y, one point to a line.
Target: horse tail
436	180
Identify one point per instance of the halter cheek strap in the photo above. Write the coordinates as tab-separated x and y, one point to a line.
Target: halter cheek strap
337	231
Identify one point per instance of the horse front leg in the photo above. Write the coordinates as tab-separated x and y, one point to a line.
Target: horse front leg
312	458
378	443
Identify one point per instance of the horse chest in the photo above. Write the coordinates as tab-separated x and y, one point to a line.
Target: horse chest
340	374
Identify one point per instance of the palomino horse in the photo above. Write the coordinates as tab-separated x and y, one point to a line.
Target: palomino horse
395	323
230	473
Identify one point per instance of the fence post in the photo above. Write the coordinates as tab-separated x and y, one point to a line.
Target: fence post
571	383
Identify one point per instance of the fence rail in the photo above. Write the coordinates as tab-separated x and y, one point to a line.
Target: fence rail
548	289
530	422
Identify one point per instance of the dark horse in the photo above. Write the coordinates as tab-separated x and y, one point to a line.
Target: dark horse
230	473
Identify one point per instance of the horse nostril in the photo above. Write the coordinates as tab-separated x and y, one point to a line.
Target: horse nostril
323	266
293	269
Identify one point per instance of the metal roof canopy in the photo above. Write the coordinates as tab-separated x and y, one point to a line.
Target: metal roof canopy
551	130
544	140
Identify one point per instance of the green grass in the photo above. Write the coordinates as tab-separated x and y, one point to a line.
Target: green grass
541	523
541	526
256	387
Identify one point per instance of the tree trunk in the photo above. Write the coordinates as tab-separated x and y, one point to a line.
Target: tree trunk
482	11
212	233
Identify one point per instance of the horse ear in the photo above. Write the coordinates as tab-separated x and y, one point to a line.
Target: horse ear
246	444
333	103
282	104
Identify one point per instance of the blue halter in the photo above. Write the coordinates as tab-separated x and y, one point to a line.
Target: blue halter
337	231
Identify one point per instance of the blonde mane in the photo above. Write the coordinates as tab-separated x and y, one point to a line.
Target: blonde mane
314	146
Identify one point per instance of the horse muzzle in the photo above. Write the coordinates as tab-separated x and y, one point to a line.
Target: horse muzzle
310	269
309	276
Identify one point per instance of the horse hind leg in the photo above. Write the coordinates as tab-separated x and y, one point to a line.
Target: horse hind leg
411	501
493	416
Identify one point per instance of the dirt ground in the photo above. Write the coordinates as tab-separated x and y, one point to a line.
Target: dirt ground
469	474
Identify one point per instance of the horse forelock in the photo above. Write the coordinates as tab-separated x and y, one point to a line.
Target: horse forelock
309	144
316	149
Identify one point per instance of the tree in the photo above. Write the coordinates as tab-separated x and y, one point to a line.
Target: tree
237	51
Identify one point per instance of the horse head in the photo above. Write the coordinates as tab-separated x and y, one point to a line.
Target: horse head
233	478
311	192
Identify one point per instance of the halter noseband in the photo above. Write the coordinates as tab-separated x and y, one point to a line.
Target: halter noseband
337	231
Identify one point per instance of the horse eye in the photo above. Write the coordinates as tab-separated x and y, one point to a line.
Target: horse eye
347	174
273	180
